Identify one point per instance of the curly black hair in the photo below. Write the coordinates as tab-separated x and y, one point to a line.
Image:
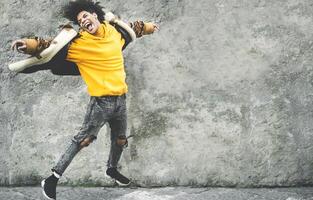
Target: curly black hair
73	8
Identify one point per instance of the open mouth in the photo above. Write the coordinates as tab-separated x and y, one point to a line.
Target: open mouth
88	26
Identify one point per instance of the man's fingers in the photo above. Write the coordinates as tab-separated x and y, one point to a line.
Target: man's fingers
13	46
156	27
18	45
21	49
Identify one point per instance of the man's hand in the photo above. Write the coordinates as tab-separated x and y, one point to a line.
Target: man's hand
32	46
141	28
150	28
19	46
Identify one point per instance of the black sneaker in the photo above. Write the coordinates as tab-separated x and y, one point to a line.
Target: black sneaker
119	178
49	186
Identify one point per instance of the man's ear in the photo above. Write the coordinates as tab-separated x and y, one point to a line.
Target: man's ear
95	15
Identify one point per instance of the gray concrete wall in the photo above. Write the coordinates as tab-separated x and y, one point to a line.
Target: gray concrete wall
222	95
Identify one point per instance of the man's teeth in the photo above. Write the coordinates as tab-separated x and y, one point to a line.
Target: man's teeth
88	25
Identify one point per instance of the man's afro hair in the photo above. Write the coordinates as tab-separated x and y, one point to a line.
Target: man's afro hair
73	8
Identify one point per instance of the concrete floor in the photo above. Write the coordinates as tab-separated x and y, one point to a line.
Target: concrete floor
168	193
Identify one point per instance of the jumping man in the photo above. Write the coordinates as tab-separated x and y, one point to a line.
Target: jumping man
97	52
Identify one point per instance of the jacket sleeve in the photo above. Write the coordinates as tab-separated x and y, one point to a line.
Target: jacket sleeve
139	27
58	65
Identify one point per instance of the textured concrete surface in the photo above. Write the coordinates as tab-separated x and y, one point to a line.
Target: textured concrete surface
180	193
222	95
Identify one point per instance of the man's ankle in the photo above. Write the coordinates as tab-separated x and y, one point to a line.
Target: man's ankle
56	175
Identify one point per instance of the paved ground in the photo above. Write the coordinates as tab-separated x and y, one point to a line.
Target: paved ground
169	193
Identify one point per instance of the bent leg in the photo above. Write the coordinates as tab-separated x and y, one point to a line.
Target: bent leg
117	143
66	158
70	153
118	127
94	120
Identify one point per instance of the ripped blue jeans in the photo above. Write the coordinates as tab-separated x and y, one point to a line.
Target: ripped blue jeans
111	109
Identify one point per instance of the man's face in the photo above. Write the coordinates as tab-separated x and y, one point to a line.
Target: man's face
88	21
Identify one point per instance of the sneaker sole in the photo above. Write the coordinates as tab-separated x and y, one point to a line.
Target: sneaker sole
122	184
43	191
119	183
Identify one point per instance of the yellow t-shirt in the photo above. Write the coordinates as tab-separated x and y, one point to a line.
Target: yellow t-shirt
100	60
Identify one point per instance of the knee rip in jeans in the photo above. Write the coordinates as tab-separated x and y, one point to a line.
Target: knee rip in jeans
87	141
122	141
